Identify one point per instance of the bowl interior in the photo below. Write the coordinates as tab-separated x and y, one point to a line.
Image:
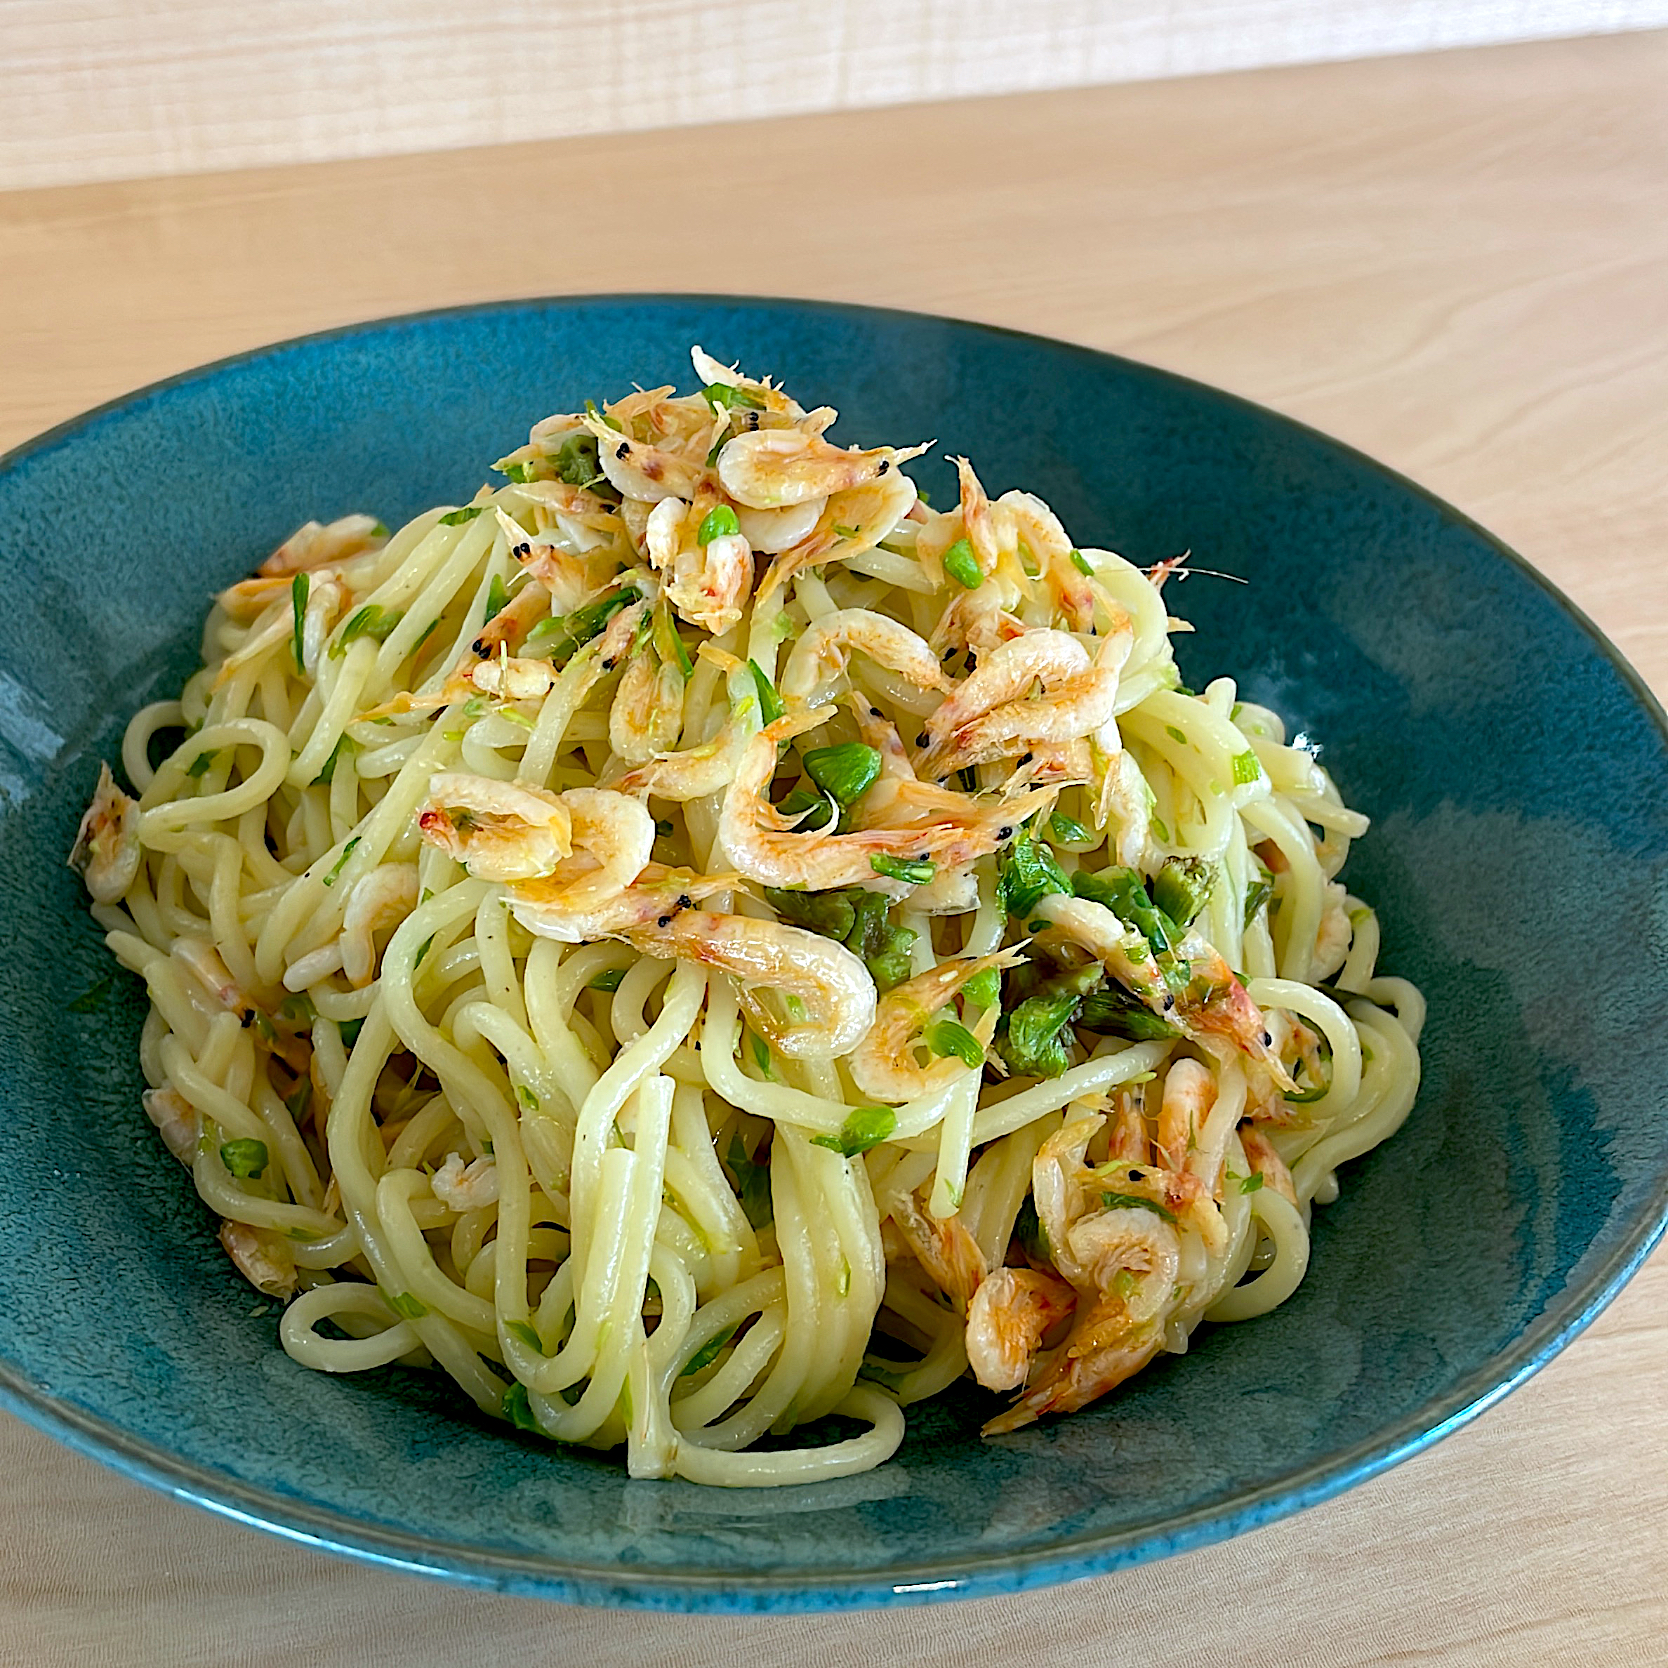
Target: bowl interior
1512	767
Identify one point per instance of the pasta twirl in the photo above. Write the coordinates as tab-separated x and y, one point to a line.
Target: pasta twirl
696	940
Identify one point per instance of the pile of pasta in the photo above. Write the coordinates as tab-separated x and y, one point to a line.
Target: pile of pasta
698	940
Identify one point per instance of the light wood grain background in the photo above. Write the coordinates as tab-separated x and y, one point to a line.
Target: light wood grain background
1458	262
121	89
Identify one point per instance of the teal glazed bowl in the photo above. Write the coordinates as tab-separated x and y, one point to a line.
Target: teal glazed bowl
1513	765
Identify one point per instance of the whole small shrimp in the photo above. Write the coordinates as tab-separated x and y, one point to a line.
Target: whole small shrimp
646	473
1189	1094
647	710
770	531
1010	1313
821	657
497	830
768	468
851	522
262	1256
106	851
762	844
708	768
990	716
657	895
313	544
1074	593
884	1066
381	898
944	1248
176	1120
706	583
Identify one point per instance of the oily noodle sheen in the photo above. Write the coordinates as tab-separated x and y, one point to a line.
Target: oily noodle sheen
509	1029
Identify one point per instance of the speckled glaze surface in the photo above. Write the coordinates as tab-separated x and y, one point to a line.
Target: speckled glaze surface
1514	768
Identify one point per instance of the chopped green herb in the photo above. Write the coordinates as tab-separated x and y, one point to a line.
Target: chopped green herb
1029	1231
529	1101
92	998
730	395
752	1183
298	611
1182	887
573	631
770	703
512	715
199	765
422	950
761	1055
1134	1201
498	598
841	531
984	989
518	1410
845	773
1246	768
520	473
1114	1012
408	1307
604	417
422	637
298	1009
263	1026
1081	563
913	871
949	1037
1258	893
1161	831
1033	1042
456	518
708	1352
1026	872
350	1029
1176	734
244	1157
1068	829
867	1127
341	862
1251	1183
718	523
608	979
526	1333
963	566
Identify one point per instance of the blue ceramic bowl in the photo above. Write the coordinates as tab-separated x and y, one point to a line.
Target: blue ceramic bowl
1512	764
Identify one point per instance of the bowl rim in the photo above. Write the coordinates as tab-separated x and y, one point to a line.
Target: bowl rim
928	1580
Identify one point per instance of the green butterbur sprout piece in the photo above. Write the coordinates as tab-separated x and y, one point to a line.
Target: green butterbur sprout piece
345	748
963	566
913	871
408	1307
1034	1041
608	979
752	1183
1121	891
730	396
244	1157
770	703
708	1352
667	644
830	913
845	773
855	918
1246	768
1114	1012
1081	563
984	989
867	1127
1068	829
718	523
814	807
575	462
299	586
518	1410
1182	887
1134	1201
369	621
350	1029
950	1037
456	518
1027	872
573	631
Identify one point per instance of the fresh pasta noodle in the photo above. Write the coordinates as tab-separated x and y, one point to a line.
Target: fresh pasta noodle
695	941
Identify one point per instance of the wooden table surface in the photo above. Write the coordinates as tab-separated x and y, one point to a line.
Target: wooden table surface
1458	263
